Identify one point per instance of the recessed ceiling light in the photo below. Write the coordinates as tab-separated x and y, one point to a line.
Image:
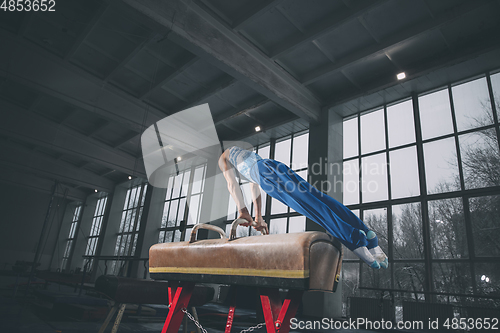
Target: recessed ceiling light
401	75
179	158
129	177
257	128
95	191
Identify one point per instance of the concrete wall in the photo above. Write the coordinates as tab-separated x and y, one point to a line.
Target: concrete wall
325	172
23	213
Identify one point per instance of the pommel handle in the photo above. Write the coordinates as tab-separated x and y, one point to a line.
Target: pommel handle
206	226
235	225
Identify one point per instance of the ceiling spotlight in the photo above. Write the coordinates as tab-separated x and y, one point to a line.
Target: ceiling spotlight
129	177
179	158
401	75
257	128
95	191
483	277
487	279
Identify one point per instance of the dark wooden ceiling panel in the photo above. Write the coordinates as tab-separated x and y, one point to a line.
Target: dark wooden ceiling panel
373	68
238	94
17	93
130	81
168	51
474	25
204	73
270	29
12	21
348	38
418	50
218	106
332	86
395	15
183	86
304	59
150	67
94	61
50	35
163	99
306	14
53	109
235	9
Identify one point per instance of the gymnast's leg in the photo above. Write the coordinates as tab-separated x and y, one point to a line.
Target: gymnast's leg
283	184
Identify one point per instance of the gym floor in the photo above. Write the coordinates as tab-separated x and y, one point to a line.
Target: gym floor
30	313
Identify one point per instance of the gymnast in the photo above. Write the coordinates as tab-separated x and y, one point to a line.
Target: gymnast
283	184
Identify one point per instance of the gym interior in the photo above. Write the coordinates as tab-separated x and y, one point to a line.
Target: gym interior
391	107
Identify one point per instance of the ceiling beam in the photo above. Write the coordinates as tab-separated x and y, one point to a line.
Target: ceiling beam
25	23
88	29
99	128
70	114
207	37
254	13
33	65
130	137
253	104
34	129
131	55
207	92
470	50
391	42
188	62
268	128
21	158
207	5
198	98
33	182
323	27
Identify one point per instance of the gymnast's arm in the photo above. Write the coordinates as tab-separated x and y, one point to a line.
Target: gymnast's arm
234	187
257	203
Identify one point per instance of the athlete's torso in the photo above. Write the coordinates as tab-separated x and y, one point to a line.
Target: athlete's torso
245	162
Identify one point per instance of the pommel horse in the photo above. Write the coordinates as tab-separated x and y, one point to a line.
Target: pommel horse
296	261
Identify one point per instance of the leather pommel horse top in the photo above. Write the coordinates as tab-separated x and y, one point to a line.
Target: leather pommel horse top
303	261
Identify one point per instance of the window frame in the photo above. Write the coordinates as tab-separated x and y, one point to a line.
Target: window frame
424	198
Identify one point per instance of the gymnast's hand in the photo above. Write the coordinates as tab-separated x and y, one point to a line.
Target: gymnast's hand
261	225
244	214
372	255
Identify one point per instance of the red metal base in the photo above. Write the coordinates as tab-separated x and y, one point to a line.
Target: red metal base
277	315
230	315
178	298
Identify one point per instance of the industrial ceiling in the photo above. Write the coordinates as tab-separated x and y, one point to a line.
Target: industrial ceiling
79	85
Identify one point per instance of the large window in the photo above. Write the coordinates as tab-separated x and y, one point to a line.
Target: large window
424	174
71	236
183	203
95	229
293	151
126	241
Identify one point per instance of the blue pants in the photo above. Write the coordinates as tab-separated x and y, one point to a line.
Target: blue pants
283	184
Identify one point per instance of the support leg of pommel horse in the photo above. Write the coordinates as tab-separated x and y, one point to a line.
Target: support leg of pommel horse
178	299
277	315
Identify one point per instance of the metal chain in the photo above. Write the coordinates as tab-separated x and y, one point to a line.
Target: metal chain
193	320
250	329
